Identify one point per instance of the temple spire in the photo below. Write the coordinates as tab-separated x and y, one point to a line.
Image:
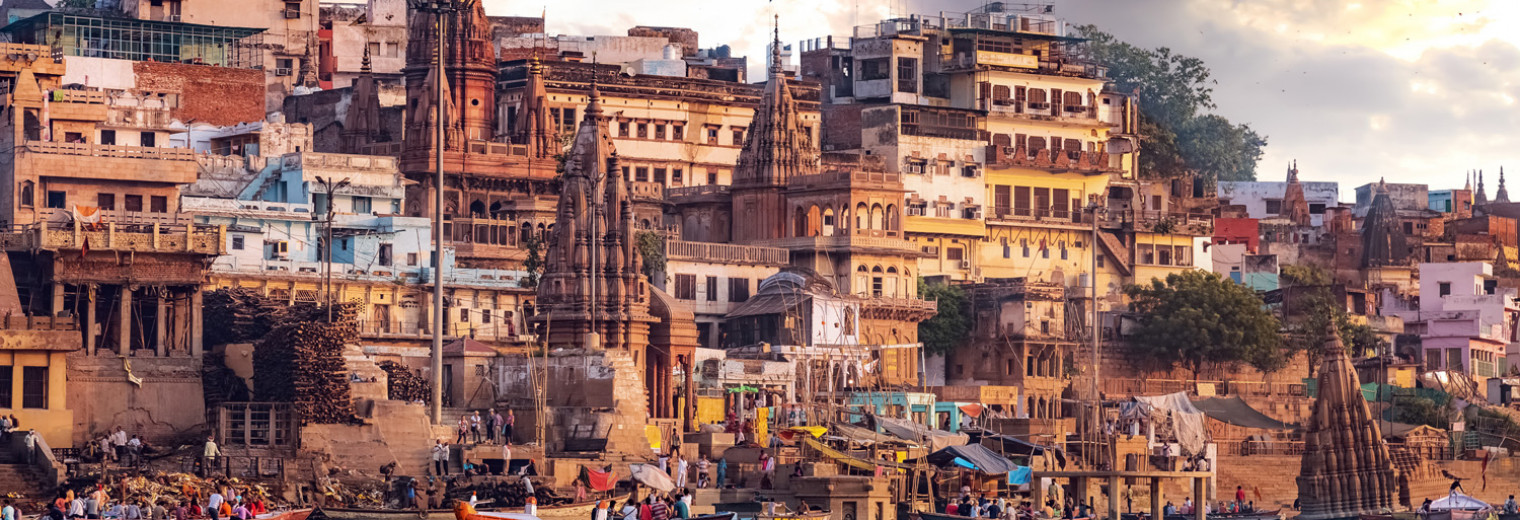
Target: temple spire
1482	196
1502	195
776	69
364	66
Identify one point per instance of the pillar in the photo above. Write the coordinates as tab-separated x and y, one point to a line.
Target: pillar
124	321
57	299
89	319
1157	512
161	325
1113	497
1200	487
195	322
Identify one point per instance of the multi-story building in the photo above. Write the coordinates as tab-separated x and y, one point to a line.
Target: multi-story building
1465	321
1264	199
287	34
353	37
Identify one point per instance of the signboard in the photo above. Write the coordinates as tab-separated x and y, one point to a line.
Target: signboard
1006	59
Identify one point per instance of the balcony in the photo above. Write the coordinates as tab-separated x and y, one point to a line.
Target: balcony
135	238
697	194
1043	216
1055	161
246	208
868	240
1198	224
108	162
847	179
1027	63
39	333
708	252
923	225
17	56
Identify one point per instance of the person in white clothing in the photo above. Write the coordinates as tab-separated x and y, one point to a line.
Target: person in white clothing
681	466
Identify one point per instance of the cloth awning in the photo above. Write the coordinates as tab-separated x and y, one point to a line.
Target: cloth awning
918	433
1458	501
1186	420
974	410
1016	446
860	435
849	460
650	475
1234	411
791	434
978	456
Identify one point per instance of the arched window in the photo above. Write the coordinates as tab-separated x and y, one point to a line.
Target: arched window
891	218
876	217
814	220
829	223
524	236
799	222
862	214
27	193
496	209
478	209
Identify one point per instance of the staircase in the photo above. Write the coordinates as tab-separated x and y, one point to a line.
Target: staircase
16	476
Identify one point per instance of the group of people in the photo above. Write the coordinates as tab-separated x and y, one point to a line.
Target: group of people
679	469
497	427
224	502
979	507
117	447
656	506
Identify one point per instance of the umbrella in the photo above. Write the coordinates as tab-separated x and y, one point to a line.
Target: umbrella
973	409
650	475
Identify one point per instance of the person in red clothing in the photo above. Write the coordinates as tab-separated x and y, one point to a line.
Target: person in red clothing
1240	495
951	509
645	511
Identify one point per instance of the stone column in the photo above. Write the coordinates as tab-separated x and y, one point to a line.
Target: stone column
195	322
57	299
1156	503
1200	486
161	330
88	319
1113	497
124	322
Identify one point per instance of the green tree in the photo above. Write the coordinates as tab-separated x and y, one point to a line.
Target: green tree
951	325
652	248
1310	308
1177	134
534	262
1196	318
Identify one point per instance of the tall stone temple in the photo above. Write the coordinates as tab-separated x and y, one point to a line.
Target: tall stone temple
594	282
1346	470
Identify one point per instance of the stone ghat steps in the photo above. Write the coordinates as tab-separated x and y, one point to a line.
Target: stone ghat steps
20	478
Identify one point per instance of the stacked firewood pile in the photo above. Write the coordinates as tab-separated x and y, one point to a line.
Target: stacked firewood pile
506	493
301	361
403	384
237	315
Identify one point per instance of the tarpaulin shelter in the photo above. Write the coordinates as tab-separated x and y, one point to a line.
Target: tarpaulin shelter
860	435
650	475
1186	420
849	460
1234	411
917	433
979	457
794	432
601	480
1015	446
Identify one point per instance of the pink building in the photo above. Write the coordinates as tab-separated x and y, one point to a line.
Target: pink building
1466	324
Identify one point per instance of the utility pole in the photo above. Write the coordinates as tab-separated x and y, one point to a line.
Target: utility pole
439	9
327	248
1097	329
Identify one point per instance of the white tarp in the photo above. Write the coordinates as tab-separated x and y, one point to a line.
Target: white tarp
918	433
1186	420
1457	501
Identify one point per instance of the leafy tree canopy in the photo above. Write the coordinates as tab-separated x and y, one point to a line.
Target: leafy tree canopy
1196	318
951	326
1177	133
1309	310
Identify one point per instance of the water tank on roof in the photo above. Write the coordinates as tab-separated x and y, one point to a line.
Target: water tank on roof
672	51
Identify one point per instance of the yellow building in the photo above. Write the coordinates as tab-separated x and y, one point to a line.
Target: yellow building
1040	227
33	375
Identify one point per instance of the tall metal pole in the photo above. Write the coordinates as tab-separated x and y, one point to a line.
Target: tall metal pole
328	249
1096	330
438	321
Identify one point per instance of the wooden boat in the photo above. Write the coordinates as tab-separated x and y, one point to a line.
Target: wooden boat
575	511
810	515
1271	514
338	513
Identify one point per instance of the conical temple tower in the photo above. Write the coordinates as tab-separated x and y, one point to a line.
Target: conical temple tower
1345	470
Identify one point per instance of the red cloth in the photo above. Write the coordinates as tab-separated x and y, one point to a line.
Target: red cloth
601	480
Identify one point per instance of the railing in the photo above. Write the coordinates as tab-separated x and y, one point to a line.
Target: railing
23	322
293	209
913	304
1246	448
646	190
1047	159
335	160
114	151
726	253
496	330
79	96
1150	386
947	132
866	242
1052	214
155	237
693	191
1147	220
848	177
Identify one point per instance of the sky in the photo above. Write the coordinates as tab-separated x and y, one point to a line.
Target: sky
1417	91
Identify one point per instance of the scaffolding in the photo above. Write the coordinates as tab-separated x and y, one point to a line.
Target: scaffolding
141	40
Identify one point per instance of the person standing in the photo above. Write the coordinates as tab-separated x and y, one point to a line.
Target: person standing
506	429
702	472
31	447
464	430
659	510
493	425
209	455
722	472
440	458
681	467
475	426
119	442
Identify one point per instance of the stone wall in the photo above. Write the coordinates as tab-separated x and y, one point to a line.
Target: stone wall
167	407
216	95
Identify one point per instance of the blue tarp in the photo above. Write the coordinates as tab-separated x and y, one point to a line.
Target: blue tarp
977	456
1020	476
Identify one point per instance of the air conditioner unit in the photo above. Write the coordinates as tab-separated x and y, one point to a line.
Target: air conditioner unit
292	13
282	72
965	264
172	18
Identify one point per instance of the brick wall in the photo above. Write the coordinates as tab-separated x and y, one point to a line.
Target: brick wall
215	95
